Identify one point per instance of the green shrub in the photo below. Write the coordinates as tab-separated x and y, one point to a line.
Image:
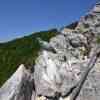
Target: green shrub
98	39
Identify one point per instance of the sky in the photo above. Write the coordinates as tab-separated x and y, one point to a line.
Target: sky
22	17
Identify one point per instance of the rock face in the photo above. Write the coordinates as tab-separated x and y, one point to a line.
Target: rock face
59	72
60	65
18	87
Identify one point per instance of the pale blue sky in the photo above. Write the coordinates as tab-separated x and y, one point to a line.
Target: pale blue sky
22	17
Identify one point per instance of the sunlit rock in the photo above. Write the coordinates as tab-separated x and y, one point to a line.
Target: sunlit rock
18	87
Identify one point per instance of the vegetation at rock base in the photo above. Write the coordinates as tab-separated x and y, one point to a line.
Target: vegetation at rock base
23	50
98	39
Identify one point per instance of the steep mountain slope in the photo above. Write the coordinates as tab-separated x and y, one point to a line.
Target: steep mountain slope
20	51
58	74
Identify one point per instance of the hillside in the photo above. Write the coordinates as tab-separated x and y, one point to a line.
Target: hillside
18	51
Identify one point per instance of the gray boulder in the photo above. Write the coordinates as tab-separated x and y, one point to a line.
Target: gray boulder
19	86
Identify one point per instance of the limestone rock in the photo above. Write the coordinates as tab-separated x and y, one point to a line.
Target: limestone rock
18	87
61	71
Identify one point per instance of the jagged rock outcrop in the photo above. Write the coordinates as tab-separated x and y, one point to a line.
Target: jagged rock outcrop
61	71
60	65
19	87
